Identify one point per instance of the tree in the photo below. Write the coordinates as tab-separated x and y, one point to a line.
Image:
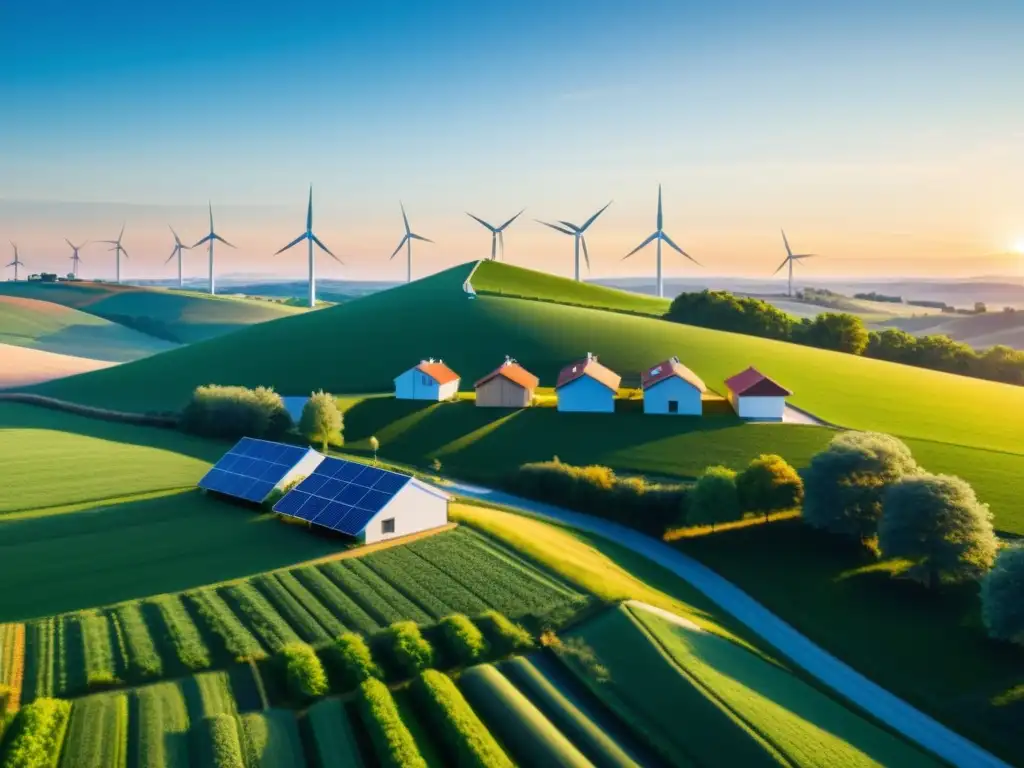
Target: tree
1002	596
714	498
768	484
840	331
321	420
937	523
845	483
374	446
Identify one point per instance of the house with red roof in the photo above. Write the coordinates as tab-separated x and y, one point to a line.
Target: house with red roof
587	386
507	386
671	388
755	396
430	380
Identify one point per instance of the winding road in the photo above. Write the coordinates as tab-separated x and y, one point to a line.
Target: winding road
901	716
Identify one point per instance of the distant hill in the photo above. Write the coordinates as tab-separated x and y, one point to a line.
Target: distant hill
23	367
980	331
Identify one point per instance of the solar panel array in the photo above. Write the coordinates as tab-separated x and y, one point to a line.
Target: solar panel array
342	495
252	468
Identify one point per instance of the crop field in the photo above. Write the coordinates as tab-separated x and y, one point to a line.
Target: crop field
25	367
12	666
271	739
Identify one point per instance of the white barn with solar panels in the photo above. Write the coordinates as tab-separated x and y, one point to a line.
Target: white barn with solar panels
368	503
253	469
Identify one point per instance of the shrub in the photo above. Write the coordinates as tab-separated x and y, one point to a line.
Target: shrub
769	484
392	741
467	739
714	499
845	483
219	744
354	660
937	523
1002	596
321	420
505	636
303	671
409	650
838	331
463	638
235	412
36	734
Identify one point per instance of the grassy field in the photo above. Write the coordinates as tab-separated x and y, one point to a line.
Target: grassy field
180	317
979	331
51	327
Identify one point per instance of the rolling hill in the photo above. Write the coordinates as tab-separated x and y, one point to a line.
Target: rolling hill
980	331
23	366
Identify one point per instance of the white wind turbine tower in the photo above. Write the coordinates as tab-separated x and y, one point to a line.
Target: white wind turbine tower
660	236
568	228
790	258
178	248
407	242
309	236
17	262
75	258
118	249
497	236
210	238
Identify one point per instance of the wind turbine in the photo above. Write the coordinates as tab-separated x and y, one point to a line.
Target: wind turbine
660	236
496	234
407	242
209	239
790	258
17	262
75	259
578	234
178	248
118	249
309	236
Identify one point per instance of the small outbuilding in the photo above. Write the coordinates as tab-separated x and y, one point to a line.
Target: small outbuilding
430	380
253	469
755	396
587	386
507	386
672	388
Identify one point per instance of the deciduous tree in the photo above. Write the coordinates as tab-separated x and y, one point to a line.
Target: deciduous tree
321	420
1002	596
769	484
714	498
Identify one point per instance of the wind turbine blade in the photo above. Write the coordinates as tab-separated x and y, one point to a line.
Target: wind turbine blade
511	220
173	254
124	252
122	233
325	248
405	219
205	239
176	238
296	241
786	241
570	225
785	261
593	218
218	237
309	211
659	209
481	221
799	256
586	256
69	243
211	215
650	239
400	244
555	227
420	237
668	241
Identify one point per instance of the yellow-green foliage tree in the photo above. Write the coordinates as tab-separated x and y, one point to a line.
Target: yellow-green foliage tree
714	499
769	484
321	421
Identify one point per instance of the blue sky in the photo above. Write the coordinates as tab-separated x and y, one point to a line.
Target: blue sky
889	136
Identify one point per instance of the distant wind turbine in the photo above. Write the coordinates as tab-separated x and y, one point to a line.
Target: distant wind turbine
75	258
790	258
210	238
17	262
578	234
118	249
497	236
407	242
178	248
660	236
308	235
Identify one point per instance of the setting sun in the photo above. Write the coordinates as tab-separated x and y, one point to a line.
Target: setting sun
1018	247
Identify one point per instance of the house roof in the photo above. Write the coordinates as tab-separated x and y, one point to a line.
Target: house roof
514	372
668	369
589	366
438	371
753	383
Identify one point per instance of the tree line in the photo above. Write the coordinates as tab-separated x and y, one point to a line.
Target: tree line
843	332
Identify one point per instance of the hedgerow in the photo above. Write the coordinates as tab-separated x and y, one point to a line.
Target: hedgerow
182	634
336	600
219	745
296	614
142	658
238	641
463	639
304	673
408	649
392	741
352	660
36	734
264	620
504	635
234	412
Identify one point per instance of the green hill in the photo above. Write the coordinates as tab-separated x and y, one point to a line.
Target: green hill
181	317
51	327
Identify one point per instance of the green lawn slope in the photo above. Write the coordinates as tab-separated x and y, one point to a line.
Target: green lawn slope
180	317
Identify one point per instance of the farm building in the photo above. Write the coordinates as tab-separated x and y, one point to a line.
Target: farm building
367	503
507	386
754	396
670	387
587	386
430	380
253	469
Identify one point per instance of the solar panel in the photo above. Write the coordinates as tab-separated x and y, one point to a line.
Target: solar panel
342	495
252	468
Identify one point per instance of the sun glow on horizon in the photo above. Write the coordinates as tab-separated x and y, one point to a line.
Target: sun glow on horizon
1018	247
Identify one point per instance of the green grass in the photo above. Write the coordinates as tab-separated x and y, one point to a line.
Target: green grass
176	634
218	744
330	737
160	726
142	658
66	331
271	740
97	734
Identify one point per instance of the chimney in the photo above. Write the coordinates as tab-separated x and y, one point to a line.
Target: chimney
590	355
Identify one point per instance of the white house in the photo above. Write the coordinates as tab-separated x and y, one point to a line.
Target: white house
430	380
670	387
754	396
365	502
253	469
587	386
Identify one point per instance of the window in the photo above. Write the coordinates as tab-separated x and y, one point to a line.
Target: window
387	526
426	380
673	406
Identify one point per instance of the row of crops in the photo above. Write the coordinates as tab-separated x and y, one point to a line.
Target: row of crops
170	636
